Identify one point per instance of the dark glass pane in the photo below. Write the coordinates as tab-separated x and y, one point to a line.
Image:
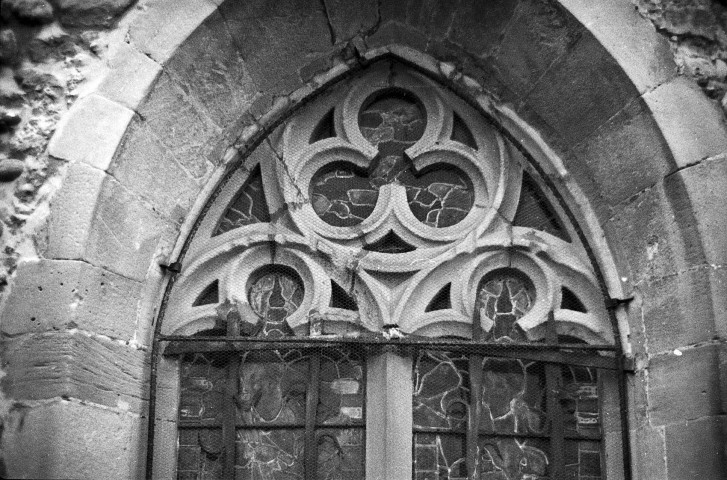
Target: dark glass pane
570	301
390	243
209	295
513	396
341	389
503	298
513	458
439	457
580	401
461	133
535	211
270	454
272	389
442	300
248	207
203	378
200	454
582	460
440	196
392	121
274	296
342	195
441	390
341	299
340	454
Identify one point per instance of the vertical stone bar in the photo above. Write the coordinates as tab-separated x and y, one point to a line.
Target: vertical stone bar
311	444
389	418
554	409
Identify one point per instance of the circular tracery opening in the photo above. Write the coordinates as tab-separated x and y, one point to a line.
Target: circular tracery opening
274	294
504	296
392	120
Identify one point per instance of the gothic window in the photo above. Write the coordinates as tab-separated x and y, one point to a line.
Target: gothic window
388	277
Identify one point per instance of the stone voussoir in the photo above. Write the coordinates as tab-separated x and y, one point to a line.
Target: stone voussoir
91	131
131	77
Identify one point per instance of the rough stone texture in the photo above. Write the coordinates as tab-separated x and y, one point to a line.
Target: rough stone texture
164	183
348	19
72	364
55	441
90	132
67	294
131	76
649	450
684	387
90	13
684	439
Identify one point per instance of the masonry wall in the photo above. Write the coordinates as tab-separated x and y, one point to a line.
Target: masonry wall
118	118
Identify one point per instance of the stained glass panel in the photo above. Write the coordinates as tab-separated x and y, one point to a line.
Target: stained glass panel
340	454
200	454
503	298
270	454
513	397
340	389
203	378
274	296
248	207
580	401
439	457
582	460
441	391
513	458
273	387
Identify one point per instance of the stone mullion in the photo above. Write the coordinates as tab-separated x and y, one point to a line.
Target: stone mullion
553	406
229	431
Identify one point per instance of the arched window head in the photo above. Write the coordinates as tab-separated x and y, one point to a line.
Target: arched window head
388	276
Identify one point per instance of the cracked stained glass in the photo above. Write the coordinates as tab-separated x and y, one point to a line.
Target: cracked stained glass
274	296
513	458
248	207
203	378
504	298
344	195
200	454
582	460
580	401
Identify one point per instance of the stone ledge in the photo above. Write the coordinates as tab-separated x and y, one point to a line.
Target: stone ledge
131	77
68	294
693	125
178	19
48	365
71	440
90	131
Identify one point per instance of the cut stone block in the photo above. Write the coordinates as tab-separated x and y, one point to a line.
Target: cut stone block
348	19
67	294
70	440
90	132
178	19
692	124
695	449
48	365
684	387
131	77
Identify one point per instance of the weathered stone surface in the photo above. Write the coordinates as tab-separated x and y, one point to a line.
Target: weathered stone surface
479	26
649	453
677	310
627	154
47	365
177	19
124	233
644	55
146	167
71	211
430	17
695	449
296	30
397	33
90	132
67	294
706	183
8	46
210	70
29	11
131	77
10	169
693	126
348	19
190	135
90	13
684	387
654	234
540	33
70	440
581	91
